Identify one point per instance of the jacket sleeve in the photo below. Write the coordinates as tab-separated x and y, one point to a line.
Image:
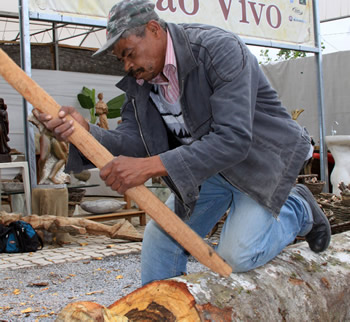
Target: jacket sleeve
233	76
124	140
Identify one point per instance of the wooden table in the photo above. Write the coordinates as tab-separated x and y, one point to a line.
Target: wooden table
128	212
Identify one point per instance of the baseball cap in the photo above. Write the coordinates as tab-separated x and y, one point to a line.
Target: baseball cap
125	15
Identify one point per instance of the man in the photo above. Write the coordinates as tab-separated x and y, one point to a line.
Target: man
200	113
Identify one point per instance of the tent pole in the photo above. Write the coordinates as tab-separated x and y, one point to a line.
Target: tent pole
55	42
27	108
323	148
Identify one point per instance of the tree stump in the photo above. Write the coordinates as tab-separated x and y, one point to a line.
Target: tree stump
298	285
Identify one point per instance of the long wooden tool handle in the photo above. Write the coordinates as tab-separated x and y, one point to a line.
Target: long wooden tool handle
99	156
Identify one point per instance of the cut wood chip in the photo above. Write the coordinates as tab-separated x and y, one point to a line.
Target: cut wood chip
38	284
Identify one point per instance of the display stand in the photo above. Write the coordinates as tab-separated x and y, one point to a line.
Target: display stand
23	165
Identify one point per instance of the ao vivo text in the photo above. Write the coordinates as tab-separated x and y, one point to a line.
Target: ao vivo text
260	11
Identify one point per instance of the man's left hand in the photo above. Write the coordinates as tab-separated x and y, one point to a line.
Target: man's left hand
123	173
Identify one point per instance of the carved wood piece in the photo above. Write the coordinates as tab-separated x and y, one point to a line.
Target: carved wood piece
121	230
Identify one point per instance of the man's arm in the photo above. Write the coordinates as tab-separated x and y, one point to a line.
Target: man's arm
123	172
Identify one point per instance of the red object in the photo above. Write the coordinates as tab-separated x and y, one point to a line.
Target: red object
329	157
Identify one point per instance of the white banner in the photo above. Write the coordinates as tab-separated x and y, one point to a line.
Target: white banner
289	21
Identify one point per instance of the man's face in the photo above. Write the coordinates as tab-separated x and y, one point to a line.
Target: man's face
143	57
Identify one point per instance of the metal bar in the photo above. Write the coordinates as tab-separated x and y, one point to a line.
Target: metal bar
81	34
48	29
333	19
55	42
323	148
91	30
27	108
8	14
67	19
279	45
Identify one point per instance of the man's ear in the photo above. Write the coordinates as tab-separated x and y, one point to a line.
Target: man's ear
154	27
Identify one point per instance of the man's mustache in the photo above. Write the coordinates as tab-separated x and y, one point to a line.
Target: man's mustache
133	73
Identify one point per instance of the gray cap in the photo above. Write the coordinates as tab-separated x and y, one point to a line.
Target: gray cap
125	15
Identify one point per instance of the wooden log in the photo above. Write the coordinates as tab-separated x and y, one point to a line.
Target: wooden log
121	230
298	285
100	156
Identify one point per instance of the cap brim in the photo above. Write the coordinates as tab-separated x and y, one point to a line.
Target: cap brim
109	44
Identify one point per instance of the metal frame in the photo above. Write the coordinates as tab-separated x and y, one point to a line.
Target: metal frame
25	15
27	108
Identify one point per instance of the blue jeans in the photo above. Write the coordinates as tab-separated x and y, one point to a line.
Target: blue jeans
251	235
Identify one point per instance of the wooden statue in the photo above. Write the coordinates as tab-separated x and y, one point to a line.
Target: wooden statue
4	131
102	111
53	155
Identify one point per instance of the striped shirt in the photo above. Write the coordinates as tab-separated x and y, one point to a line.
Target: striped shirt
168	79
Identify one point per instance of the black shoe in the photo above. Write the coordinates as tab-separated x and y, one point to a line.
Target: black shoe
319	236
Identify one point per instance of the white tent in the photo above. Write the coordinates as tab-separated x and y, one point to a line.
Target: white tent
333	10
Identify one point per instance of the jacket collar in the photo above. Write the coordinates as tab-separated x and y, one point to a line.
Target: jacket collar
184	57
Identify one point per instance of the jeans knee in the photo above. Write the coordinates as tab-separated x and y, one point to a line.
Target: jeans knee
243	262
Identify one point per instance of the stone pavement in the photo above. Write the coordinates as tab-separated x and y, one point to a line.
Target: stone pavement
84	247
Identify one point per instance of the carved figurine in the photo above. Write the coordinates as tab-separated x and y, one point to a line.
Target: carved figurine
4	131
53	155
102	110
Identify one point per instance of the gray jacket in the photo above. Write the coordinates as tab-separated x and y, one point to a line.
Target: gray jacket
241	130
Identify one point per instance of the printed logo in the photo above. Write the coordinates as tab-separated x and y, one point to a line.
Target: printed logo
297	11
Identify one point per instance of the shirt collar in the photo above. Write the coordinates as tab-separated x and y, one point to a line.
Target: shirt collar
169	64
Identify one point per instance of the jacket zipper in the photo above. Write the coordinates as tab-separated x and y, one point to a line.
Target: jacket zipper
149	154
139	125
181	105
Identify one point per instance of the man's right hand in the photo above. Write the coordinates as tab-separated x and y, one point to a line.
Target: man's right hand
60	126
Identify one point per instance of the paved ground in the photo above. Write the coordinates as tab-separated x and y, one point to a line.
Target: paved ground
83	248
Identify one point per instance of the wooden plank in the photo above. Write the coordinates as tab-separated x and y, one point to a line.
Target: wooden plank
117	215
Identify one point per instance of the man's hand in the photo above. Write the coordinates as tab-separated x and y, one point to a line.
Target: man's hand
60	126
123	173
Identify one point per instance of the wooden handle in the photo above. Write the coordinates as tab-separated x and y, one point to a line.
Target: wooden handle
99	156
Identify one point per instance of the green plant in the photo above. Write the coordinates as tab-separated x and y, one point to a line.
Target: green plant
283	55
87	99
115	106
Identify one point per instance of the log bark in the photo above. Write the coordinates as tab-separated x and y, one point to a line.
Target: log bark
121	230
298	285
100	156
